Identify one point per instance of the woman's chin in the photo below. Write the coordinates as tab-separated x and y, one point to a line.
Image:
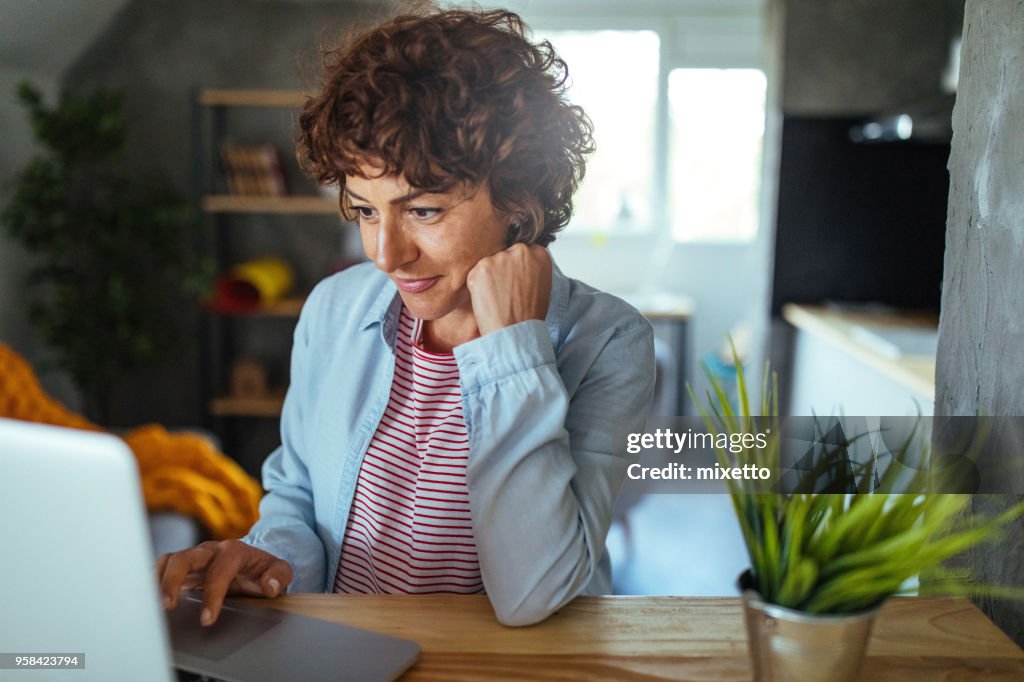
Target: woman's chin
432	305
423	308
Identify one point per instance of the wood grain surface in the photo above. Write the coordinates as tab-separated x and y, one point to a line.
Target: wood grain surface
655	638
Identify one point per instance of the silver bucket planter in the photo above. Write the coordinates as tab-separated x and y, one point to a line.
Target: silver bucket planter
793	646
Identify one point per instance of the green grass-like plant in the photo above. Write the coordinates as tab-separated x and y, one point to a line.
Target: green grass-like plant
835	553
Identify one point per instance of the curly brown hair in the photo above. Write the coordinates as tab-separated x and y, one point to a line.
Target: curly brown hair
447	97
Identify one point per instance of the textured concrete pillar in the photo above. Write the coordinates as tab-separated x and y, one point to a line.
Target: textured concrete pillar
980	366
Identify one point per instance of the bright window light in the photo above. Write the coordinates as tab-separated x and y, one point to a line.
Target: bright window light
613	75
716	140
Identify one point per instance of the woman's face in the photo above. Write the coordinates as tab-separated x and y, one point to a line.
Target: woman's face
426	241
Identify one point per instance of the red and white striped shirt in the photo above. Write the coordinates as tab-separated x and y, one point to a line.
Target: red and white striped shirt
409	529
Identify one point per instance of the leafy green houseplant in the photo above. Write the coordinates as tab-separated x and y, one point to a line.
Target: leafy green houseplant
111	250
826	559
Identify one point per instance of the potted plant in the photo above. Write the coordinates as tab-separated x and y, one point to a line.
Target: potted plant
828	548
112	250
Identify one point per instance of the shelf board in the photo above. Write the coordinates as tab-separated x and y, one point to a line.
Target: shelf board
230	203
230	406
286	307
251	98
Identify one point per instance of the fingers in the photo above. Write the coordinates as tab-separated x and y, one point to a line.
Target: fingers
276	578
227	561
239	564
510	286
534	252
220	567
263	583
160	564
194	580
519	258
172	570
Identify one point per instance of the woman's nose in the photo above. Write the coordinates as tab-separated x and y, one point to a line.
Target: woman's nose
394	247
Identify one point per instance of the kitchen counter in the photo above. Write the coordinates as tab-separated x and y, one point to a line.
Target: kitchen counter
876	359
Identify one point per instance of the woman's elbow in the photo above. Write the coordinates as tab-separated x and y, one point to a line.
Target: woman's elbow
532	607
523	614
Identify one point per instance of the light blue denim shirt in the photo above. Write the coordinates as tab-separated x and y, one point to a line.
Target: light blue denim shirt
542	402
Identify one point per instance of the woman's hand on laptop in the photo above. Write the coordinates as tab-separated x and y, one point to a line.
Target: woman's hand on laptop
221	568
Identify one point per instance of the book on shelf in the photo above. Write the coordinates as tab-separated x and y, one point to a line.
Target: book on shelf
253	170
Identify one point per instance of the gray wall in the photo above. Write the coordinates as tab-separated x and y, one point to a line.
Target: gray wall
15	329
849	57
981	338
37	42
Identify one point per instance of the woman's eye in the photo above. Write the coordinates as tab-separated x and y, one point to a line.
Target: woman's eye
425	213
364	212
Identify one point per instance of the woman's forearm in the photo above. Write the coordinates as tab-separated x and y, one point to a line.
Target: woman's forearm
544	470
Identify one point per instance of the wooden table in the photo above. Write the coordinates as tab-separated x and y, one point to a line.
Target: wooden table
656	638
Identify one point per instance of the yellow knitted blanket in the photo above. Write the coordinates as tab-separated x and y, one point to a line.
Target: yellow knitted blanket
180	472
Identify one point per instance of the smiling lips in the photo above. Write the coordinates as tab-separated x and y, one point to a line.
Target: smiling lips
415	286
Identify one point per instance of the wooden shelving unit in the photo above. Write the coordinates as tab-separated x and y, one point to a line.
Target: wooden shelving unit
218	112
294	205
286	307
219	97
229	406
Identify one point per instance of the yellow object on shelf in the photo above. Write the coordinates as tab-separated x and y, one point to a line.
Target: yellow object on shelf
181	472
254	284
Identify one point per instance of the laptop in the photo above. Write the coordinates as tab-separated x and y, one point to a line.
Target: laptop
78	586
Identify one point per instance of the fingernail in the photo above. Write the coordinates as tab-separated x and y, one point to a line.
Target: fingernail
274	585
206	617
167	601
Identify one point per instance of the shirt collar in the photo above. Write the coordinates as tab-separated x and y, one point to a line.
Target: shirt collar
386	308
384	311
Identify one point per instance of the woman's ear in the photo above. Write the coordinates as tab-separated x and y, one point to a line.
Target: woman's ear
515	230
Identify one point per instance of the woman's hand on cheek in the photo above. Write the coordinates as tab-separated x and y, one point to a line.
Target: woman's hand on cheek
511	286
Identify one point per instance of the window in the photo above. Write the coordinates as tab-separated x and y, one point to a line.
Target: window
716	138
618	88
678	107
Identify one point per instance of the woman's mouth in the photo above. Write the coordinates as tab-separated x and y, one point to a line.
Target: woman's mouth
415	286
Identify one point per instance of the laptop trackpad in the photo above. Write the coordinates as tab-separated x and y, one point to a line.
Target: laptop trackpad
233	629
260	644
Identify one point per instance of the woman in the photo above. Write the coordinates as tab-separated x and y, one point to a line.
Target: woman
450	424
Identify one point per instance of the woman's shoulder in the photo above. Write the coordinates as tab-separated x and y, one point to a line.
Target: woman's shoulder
590	308
604	342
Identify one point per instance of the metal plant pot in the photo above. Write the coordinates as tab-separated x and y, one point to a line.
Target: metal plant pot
793	646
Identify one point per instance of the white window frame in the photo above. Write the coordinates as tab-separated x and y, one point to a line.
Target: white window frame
692	34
